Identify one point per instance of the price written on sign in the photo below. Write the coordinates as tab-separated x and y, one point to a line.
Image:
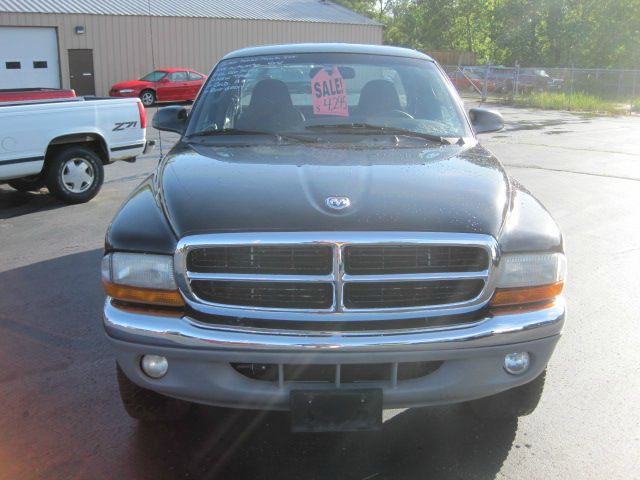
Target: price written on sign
329	92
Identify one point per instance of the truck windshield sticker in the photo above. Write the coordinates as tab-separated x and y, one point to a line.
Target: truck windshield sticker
231	74
329	93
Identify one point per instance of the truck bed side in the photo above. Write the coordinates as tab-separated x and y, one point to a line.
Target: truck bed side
28	130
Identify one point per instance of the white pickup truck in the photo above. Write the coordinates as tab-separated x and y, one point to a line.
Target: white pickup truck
63	144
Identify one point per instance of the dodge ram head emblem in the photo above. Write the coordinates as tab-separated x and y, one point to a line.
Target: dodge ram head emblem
338	203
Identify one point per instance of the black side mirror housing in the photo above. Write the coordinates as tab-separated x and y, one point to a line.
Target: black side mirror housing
485	120
170	119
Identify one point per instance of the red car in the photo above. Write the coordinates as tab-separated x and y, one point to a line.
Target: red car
470	81
165	85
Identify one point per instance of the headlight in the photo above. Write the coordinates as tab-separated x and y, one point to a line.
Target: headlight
529	278
140	278
525	270
127	90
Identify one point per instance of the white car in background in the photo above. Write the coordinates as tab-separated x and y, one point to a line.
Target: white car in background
63	144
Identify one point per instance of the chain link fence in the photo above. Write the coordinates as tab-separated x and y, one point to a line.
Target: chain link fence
489	81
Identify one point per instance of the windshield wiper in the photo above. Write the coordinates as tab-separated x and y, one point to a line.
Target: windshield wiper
238	131
363	127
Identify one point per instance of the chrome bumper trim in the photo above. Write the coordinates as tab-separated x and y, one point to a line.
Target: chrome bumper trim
185	332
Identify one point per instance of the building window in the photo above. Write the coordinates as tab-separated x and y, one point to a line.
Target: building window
12	65
40	64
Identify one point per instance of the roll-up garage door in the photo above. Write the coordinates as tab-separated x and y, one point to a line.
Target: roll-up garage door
29	58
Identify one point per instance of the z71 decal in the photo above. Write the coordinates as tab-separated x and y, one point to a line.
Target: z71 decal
124	125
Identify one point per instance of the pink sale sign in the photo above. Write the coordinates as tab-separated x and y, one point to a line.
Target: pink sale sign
329	92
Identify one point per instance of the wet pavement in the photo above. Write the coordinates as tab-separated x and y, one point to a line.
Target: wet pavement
60	414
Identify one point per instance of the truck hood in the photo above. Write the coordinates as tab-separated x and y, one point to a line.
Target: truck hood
209	189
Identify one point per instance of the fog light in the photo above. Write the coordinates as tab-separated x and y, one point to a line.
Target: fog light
516	363
155	366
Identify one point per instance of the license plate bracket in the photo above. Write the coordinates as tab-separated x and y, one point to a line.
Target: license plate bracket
336	411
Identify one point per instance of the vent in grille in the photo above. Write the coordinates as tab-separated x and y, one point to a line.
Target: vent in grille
398	259
283	260
266	294
370	324
410	294
349	373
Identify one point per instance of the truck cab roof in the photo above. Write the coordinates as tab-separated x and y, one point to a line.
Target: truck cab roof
327	48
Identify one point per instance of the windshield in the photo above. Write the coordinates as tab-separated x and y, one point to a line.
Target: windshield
315	92
153	76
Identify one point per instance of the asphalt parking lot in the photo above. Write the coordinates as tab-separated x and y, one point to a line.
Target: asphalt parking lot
60	414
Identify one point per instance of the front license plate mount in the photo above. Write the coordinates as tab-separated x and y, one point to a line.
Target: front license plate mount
336	411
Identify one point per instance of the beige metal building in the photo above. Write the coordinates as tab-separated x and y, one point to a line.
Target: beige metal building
89	45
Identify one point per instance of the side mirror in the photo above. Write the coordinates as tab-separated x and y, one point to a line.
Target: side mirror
170	119
164	80
485	121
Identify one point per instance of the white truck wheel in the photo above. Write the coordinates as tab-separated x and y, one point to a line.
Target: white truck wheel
74	175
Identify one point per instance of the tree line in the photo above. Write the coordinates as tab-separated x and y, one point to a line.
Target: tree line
552	33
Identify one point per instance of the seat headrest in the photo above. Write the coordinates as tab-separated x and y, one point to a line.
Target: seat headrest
270	94
378	96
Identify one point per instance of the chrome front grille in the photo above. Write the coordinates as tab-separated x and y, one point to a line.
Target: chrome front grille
335	275
276	260
265	294
369	259
410	294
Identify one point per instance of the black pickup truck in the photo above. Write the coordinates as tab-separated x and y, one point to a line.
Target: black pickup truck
331	251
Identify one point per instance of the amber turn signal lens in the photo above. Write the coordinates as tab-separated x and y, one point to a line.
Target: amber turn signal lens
149	296
504	297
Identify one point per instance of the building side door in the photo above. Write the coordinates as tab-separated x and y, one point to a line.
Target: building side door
81	71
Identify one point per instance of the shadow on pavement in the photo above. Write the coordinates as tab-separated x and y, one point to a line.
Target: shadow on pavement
61	415
14	203
442	442
50	311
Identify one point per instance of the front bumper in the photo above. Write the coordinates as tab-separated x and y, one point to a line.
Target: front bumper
200	355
